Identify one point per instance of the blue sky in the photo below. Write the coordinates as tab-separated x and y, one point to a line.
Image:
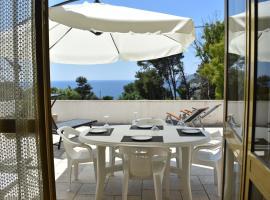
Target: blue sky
198	10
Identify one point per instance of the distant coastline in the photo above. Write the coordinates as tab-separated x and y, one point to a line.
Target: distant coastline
101	88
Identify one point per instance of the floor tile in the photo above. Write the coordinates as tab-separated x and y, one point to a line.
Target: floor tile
63	193
89	189
206	180
199	195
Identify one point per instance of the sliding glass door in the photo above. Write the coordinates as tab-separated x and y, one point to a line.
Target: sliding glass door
258	152
235	98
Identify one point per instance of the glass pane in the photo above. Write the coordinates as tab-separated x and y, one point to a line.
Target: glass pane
255	193
233	176
236	65
261	145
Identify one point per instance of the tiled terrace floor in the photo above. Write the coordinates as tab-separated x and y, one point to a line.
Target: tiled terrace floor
202	183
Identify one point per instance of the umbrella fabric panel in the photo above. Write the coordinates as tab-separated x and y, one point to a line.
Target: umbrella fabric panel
136	47
80	47
108	18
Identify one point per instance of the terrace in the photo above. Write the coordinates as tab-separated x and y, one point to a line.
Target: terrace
121	112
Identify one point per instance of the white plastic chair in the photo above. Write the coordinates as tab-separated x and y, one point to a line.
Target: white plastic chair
113	151
146	163
210	154
159	122
84	155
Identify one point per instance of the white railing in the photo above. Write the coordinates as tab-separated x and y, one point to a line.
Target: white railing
121	111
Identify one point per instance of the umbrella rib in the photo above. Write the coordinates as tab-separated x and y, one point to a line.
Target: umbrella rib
54	27
114	43
63	3
172	39
60	38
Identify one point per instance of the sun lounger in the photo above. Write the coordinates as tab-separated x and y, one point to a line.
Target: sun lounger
188	116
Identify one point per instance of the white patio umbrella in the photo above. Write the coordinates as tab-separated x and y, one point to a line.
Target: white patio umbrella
238	34
237	45
97	33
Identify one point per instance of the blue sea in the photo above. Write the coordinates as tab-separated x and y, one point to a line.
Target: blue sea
101	88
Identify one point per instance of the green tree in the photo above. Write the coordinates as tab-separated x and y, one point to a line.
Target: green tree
84	89
107	98
66	94
263	87
150	85
210	50
170	69
130	93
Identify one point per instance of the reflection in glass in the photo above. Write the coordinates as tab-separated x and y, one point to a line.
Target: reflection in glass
235	94
233	176
236	65
255	193
261	143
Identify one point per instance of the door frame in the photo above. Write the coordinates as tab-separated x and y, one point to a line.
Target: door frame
256	171
43	101
231	140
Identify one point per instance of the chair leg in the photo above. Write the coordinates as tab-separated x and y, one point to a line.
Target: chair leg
125	185
158	186
59	143
178	159
215	175
76	170
167	182
69	168
219	176
95	168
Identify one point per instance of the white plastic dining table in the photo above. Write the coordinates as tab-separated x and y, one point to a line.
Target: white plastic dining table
171	138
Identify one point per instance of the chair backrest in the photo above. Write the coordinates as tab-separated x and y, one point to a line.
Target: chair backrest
139	161
210	110
152	121
69	145
194	115
216	135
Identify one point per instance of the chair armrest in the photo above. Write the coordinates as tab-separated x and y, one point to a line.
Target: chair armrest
173	116
207	146
86	146
188	112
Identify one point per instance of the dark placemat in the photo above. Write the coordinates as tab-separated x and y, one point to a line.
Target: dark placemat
180	133
154	139
134	127
108	133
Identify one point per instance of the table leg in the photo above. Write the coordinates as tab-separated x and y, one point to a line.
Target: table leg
101	175
186	165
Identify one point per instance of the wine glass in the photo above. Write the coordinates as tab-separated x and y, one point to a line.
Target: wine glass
106	125
135	118
155	128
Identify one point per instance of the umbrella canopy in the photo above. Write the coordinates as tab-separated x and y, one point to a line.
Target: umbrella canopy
97	33
237	46
238	34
